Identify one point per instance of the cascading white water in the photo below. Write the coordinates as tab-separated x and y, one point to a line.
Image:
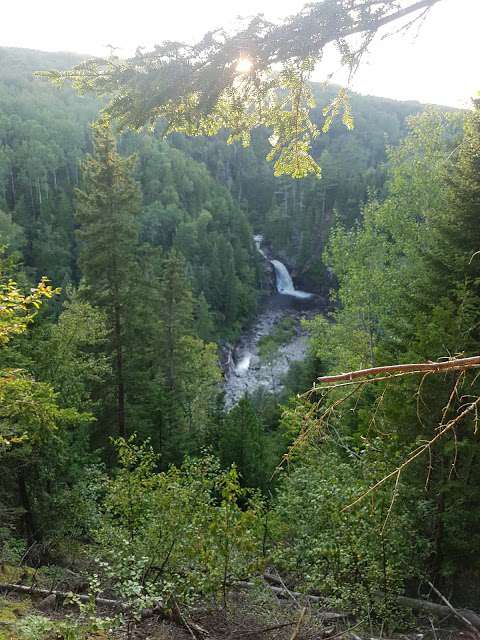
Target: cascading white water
249	372
284	280
258	239
285	283
243	364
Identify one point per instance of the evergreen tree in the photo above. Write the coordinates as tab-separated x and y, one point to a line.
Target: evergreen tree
408	292
108	205
187	368
175	314
455	258
242	441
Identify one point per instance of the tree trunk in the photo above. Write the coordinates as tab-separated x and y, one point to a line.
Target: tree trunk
119	372
28	519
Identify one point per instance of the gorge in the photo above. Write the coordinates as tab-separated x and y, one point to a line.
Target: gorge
250	369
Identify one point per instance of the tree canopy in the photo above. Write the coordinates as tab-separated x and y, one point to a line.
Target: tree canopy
258	76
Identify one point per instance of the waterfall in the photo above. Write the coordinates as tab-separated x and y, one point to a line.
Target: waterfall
283	279
258	239
246	370
285	283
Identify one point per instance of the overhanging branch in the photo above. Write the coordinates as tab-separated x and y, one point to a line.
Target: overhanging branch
402	13
419	367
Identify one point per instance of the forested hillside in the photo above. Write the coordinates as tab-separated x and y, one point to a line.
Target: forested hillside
45	136
129	270
296	215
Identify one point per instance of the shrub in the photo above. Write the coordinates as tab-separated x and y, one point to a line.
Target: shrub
349	555
178	535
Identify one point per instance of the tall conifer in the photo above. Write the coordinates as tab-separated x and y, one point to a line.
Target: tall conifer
107	208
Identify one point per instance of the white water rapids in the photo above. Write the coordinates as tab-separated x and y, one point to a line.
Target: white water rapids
285	284
248	371
283	279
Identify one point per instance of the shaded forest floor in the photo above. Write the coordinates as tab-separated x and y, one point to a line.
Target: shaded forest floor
243	618
252	611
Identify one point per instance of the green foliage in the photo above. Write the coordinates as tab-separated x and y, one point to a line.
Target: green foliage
244	441
43	138
10	613
164	263
183	384
108	206
349	555
29	410
70	354
377	262
84	625
202	89
408	292
186	210
37	627
11	234
18	310
295	216
282	334
178	535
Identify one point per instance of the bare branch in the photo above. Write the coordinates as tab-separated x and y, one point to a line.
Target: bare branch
418	452
458	614
402	13
419	367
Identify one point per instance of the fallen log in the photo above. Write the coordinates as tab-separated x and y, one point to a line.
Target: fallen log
416	604
62	595
117	605
286	593
440	610
458	614
411	603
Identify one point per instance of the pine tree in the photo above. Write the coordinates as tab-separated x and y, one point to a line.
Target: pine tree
175	314
188	373
107	207
456	258
243	442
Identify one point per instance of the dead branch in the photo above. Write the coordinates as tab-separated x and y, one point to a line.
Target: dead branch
193	629
299	623
286	589
253	632
402	13
419	367
443	429
458	614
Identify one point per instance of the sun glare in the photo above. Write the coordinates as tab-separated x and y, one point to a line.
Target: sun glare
244	65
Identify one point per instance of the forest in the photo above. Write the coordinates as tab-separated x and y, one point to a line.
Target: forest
180	455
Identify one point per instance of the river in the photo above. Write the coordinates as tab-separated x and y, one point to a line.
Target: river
247	371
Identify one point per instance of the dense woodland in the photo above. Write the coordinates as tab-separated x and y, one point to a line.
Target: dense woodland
119	461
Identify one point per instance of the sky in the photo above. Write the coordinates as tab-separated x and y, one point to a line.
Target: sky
434	64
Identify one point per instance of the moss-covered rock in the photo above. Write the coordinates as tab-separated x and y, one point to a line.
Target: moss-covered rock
14	574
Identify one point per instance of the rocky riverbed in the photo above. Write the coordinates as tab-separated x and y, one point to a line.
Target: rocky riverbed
246	371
